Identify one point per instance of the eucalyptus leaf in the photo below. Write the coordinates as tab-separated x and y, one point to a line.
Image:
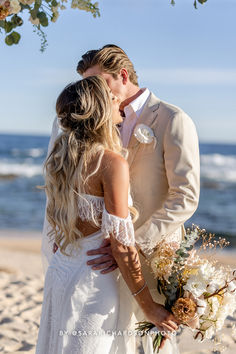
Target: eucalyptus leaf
8	26
42	19
54	3
2	24
16	21
15	36
9	40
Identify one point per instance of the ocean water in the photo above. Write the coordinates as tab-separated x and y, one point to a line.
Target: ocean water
22	204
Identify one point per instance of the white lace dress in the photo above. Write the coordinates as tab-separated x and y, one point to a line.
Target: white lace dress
84	311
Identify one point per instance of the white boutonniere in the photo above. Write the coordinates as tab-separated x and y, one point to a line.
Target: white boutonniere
144	134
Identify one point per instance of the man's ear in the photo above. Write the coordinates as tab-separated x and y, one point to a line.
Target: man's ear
124	74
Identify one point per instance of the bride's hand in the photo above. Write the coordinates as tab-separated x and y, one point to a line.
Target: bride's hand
163	320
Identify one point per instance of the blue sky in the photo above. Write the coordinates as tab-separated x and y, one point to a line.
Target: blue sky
185	56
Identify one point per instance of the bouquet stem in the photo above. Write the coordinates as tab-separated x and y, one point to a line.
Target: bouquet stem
146	327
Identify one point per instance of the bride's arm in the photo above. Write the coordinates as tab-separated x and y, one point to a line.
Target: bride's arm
115	183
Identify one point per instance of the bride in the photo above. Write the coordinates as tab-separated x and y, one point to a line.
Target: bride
87	186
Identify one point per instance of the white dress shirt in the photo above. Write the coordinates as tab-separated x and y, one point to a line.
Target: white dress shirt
132	112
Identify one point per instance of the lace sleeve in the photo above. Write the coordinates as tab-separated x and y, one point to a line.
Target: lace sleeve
121	228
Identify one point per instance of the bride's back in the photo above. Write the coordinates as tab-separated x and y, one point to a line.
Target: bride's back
81	157
102	182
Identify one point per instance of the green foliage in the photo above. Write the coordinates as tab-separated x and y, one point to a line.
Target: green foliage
12	38
41	13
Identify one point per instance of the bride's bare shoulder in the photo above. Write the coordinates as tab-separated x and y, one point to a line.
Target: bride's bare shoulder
112	159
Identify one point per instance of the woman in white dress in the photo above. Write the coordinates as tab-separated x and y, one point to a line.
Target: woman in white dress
87	185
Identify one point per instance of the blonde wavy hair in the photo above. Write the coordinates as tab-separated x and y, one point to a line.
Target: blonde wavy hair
111	59
84	110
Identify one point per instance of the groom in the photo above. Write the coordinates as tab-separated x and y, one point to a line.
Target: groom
164	168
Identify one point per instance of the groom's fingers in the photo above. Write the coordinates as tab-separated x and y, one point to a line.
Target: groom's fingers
101	250
102	265
100	260
110	269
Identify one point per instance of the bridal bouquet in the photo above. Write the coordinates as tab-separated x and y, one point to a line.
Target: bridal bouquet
40	13
199	293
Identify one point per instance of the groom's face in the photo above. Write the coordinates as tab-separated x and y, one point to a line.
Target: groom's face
116	85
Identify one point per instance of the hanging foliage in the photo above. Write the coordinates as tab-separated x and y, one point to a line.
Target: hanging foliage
41	13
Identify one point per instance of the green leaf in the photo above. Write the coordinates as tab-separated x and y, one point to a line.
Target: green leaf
9	40
8	26
2	24
54	3
12	38
43	19
16	37
16	21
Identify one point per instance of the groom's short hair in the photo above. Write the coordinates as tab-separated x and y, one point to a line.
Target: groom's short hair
111	59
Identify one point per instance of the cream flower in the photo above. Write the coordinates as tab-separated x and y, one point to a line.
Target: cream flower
201	306
231	286
34	21
27	2
15	6
144	134
212	287
210	332
195	285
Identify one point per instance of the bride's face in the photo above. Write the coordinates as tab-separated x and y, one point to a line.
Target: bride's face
116	115
116	85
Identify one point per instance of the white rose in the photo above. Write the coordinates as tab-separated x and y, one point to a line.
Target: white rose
195	286
15	6
144	134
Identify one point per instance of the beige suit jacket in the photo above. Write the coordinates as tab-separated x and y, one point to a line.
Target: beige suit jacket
164	178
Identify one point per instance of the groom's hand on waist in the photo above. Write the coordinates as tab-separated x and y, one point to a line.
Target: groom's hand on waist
106	261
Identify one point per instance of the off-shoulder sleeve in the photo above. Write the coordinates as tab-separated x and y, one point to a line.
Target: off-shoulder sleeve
121	228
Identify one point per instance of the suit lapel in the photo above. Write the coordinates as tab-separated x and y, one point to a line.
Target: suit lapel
147	117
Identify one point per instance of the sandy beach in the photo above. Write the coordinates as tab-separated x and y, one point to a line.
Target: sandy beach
21	294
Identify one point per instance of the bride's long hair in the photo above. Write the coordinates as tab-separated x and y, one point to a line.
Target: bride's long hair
84	110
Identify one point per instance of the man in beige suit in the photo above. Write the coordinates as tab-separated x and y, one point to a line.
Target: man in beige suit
163	155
